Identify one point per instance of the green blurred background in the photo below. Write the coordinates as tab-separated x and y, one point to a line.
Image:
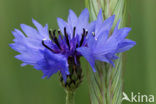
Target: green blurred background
23	85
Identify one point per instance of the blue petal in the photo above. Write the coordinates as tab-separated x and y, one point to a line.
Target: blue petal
125	45
109	22
18	47
82	22
29	31
99	20
100	17
91	28
91	41
30	56
84	17
72	19
43	31
102	38
116	27
38	25
122	33
106	26
52	63
18	34
105	46
87	54
62	24
102	58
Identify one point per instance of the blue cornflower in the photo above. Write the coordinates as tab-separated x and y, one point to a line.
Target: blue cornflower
47	52
50	53
101	45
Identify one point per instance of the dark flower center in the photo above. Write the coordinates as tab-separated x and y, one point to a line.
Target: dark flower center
65	44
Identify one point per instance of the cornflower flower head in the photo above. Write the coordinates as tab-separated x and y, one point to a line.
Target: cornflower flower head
60	50
101	45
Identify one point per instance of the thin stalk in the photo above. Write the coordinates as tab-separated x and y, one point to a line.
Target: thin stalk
70	97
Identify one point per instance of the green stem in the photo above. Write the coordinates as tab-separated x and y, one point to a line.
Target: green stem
70	97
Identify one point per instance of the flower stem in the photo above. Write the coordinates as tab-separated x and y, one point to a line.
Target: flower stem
70	97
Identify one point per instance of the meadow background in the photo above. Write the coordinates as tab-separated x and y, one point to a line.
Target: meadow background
23	85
